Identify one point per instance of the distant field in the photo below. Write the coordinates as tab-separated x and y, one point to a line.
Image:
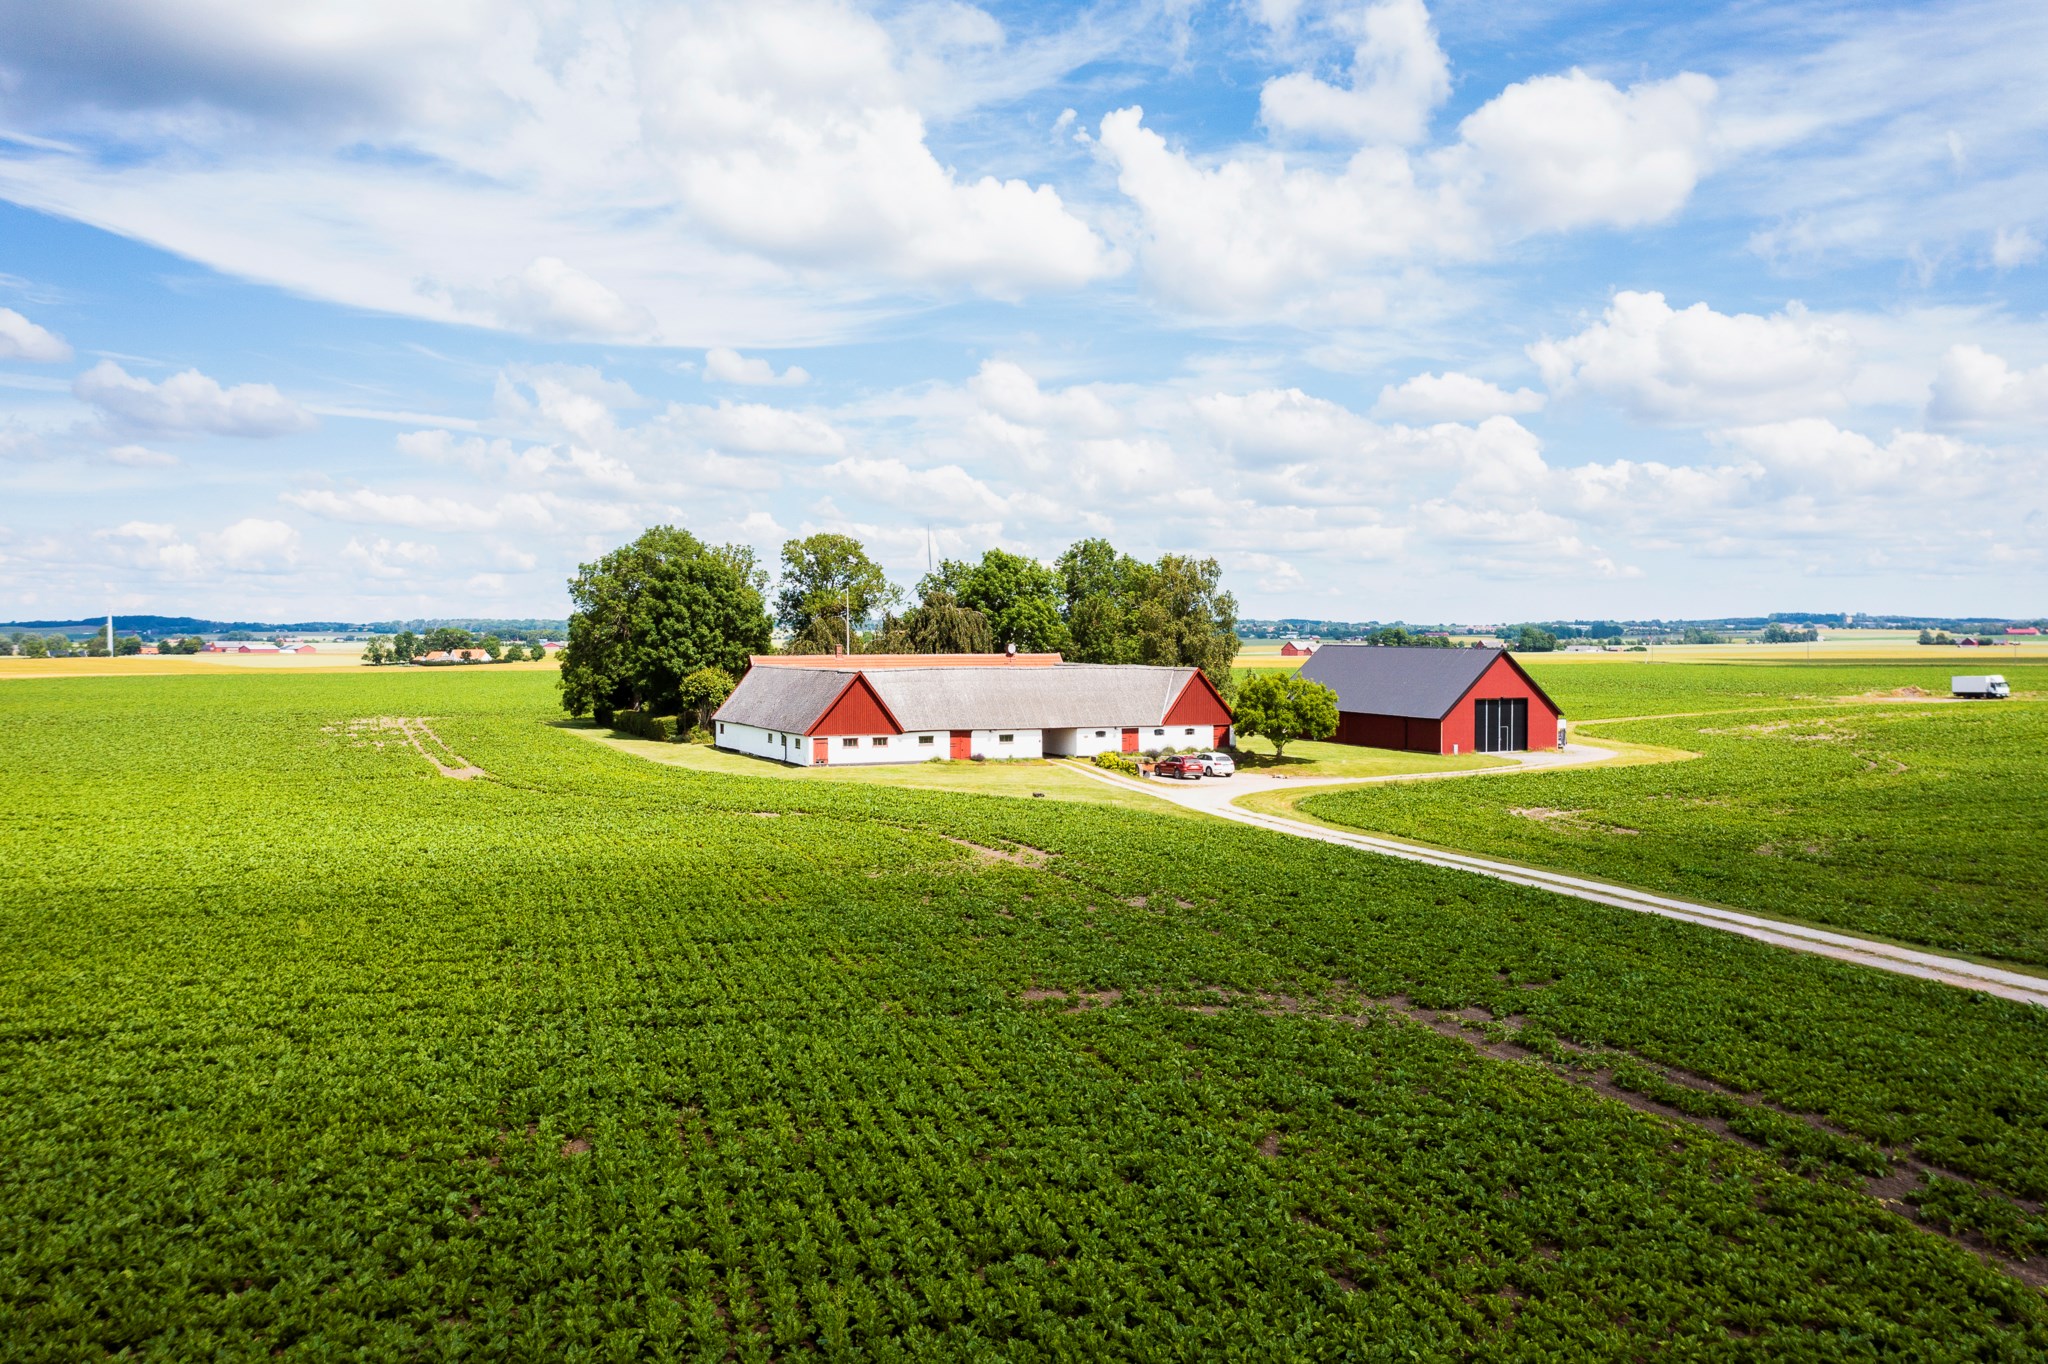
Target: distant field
1915	821
201	665
307	1049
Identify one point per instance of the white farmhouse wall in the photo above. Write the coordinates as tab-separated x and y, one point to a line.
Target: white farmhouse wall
899	748
1154	737
1024	743
762	743
1083	742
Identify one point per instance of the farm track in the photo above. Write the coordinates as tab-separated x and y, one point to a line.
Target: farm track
1883	956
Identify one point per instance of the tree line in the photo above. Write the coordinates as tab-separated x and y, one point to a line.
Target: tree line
666	623
408	646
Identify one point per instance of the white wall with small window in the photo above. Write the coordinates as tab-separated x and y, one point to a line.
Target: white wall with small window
1007	743
869	750
794	749
1084	741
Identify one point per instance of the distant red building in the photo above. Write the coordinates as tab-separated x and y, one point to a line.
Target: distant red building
1292	650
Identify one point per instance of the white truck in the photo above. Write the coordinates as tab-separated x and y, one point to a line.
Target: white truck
1988	688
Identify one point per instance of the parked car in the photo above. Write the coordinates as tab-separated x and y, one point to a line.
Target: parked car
1186	767
1215	764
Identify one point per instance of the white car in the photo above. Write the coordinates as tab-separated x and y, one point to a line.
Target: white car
1215	764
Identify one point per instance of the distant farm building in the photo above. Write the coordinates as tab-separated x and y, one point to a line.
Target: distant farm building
1430	700
2023	629
1298	648
452	656
864	709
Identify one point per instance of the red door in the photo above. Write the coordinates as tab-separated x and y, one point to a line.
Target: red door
1222	735
1130	741
821	750
963	744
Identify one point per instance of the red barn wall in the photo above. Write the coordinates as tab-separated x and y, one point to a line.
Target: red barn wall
857	711
1198	704
1386	731
1497	682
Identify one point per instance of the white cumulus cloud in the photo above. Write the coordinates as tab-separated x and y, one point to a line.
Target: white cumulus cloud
1692	364
21	339
1452	397
1572	151
554	298
1398	76
726	366
1973	387
187	404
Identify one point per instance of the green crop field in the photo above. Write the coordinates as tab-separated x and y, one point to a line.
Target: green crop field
1906	820
310	1051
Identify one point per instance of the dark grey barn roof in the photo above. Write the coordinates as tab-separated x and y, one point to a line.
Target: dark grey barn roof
1419	684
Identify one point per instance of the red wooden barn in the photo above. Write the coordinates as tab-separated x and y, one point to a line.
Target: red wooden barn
1435	700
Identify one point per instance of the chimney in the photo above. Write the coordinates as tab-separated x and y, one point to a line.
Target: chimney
838	651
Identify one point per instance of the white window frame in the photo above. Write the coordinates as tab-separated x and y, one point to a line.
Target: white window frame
849	742
1006	738
879	741
927	739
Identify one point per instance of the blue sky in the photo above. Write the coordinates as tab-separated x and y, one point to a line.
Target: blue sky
1461	312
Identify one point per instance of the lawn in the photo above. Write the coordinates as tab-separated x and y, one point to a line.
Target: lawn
307	1051
1306	758
1029	779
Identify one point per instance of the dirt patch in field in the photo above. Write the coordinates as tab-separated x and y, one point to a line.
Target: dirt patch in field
1017	855
374	731
1575	820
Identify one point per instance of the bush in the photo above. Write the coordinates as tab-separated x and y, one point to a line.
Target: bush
697	735
660	728
603	715
1117	762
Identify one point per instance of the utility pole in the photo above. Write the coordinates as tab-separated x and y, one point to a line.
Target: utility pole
849	620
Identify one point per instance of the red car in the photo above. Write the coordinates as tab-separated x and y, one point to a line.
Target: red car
1190	768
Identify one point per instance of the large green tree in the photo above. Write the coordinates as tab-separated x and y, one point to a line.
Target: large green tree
937	625
1018	597
649	614
1174	613
1283	707
828	577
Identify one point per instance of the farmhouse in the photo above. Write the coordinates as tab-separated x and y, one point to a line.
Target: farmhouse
822	710
1435	700
1298	648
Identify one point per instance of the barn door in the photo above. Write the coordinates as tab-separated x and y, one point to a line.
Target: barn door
1130	741
1501	726
963	745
